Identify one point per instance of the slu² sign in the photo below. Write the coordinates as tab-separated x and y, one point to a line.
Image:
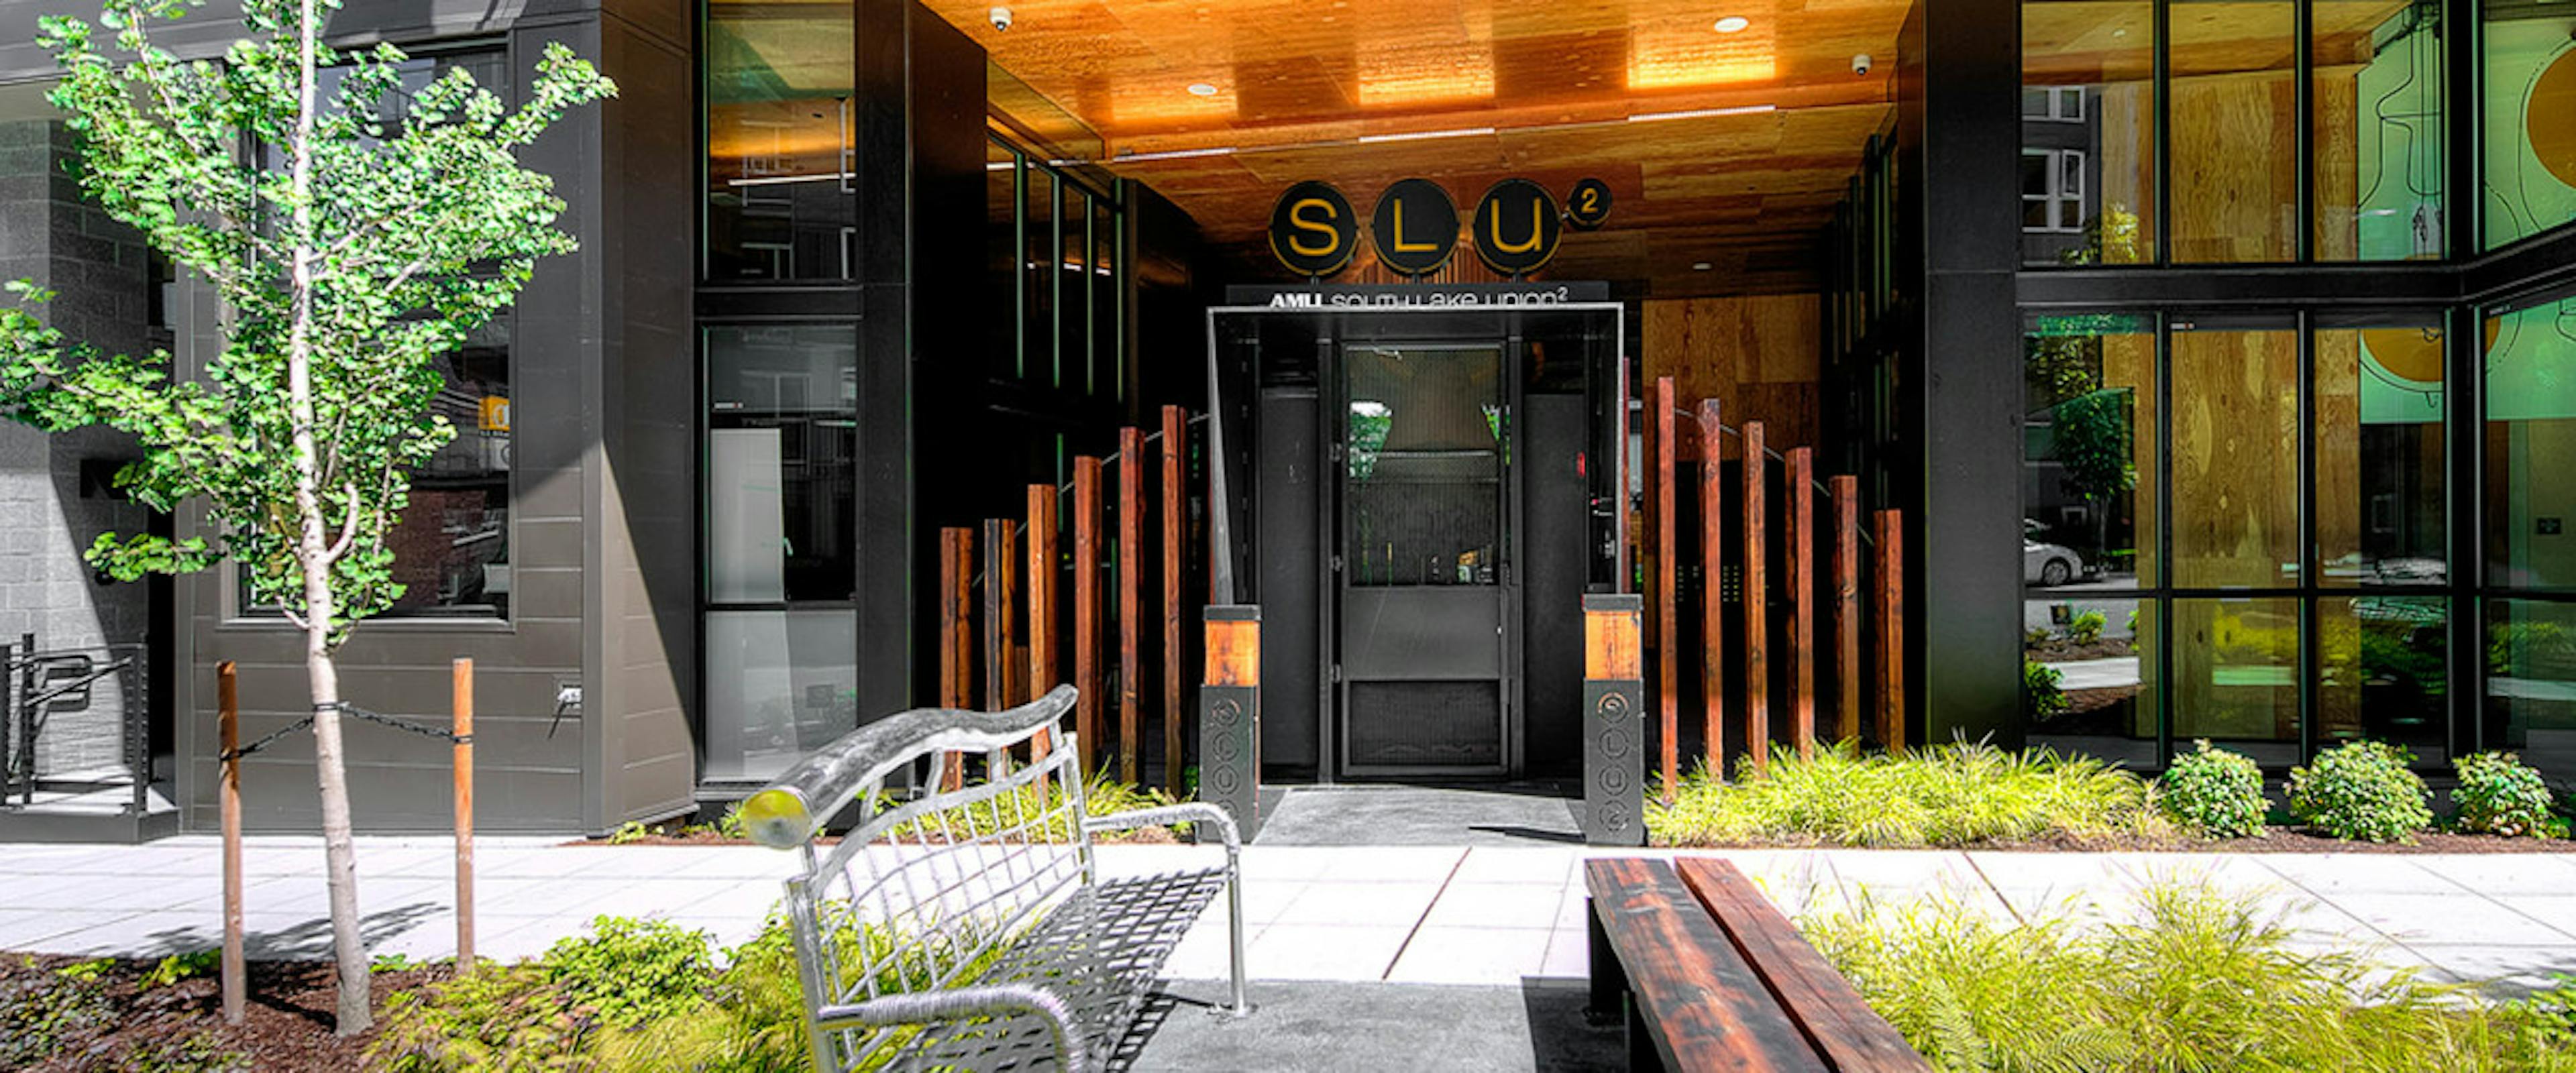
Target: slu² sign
1414	226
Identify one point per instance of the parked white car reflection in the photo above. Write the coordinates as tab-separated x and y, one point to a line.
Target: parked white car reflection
2048	564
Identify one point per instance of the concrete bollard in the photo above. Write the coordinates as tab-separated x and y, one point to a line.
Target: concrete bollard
1614	701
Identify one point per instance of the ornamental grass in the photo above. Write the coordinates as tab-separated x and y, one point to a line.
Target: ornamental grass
1962	794
2193	979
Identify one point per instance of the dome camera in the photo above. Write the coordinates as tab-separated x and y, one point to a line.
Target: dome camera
1860	64
1001	17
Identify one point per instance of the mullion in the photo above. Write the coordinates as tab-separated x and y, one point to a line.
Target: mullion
2163	433
2309	661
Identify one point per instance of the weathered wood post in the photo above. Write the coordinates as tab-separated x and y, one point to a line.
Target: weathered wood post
1001	596
1801	534
1086	612
1131	561
1230	716
1614	703
1042	624
1667	615
1757	599
1174	428
461	724
1712	584
954	546
1846	490
1891	630
236	985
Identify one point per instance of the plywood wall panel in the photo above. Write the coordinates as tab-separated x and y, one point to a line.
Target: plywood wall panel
1755	354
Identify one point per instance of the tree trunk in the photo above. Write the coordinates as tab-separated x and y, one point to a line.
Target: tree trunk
314	555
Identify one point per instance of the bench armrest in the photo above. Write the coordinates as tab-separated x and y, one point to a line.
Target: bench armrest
1160	815
966	1003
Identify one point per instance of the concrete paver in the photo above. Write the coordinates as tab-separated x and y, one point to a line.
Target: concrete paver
1469	915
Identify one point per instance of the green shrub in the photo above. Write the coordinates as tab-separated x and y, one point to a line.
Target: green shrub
501	1019
1950	795
730	825
632	971
2498	795
628	833
2039	685
2214	792
2198	980
2362	790
2086	627
2554	1010
196	1052
1103	795
42	1012
179	967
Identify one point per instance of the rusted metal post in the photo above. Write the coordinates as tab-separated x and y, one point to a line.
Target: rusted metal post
1801	533
1667	615
954	547
1042	627
1757	599
236	984
1712	585
460	686
1614	687
1846	491
1174	428
1891	630
1230	715
1086	611
1131	548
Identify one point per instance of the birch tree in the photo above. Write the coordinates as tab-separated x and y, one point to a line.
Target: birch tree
356	221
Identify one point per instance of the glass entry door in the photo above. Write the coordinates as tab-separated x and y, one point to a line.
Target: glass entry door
1424	560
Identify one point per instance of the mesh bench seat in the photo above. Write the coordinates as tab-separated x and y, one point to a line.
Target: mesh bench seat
968	929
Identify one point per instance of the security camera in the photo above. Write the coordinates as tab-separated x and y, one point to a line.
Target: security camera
1001	17
1860	64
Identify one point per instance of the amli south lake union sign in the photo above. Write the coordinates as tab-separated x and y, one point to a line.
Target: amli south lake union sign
1414	226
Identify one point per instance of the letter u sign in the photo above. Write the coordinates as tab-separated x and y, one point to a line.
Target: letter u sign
1516	227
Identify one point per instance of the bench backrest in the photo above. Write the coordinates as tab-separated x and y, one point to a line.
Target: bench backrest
919	895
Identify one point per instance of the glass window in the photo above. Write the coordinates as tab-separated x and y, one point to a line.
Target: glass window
2233	129
1107	357
2531	443
2382	673
1073	314
1002	243
2376	101
2089	460
2379	480
452	545
2088	76
1045	350
2531	683
781	471
2527	139
779	684
2235	453
780	131
2089	677
2236	676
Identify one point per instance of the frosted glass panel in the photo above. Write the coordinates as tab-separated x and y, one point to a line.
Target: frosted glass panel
746	517
779	684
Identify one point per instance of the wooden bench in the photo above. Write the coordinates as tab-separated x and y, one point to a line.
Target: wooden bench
1706	975
968	928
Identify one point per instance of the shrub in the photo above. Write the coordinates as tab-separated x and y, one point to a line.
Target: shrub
2217	793
505	1019
2039	684
2198	980
2362	790
179	967
41	1012
632	971
1950	795
630	832
2498	795
2086	627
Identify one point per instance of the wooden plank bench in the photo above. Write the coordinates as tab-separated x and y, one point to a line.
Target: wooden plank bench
1706	975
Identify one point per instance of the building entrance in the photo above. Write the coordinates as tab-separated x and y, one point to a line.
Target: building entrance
1428	493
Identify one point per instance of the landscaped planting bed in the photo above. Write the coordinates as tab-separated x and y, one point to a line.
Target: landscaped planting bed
2359	796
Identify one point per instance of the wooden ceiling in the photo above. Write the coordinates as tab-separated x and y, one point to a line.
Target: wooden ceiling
1337	90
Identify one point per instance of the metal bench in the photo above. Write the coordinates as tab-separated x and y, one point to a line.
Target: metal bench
968	929
1708	976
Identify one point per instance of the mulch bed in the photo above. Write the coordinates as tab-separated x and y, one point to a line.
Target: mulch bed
286	1027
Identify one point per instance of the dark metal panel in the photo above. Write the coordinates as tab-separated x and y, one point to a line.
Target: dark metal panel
1552	567
2266	286
1421	632
1286	553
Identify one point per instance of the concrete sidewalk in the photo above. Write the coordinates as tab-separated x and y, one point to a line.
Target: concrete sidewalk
1480	915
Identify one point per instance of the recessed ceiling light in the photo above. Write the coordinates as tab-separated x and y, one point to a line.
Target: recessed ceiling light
1202	89
1733	24
1701	266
